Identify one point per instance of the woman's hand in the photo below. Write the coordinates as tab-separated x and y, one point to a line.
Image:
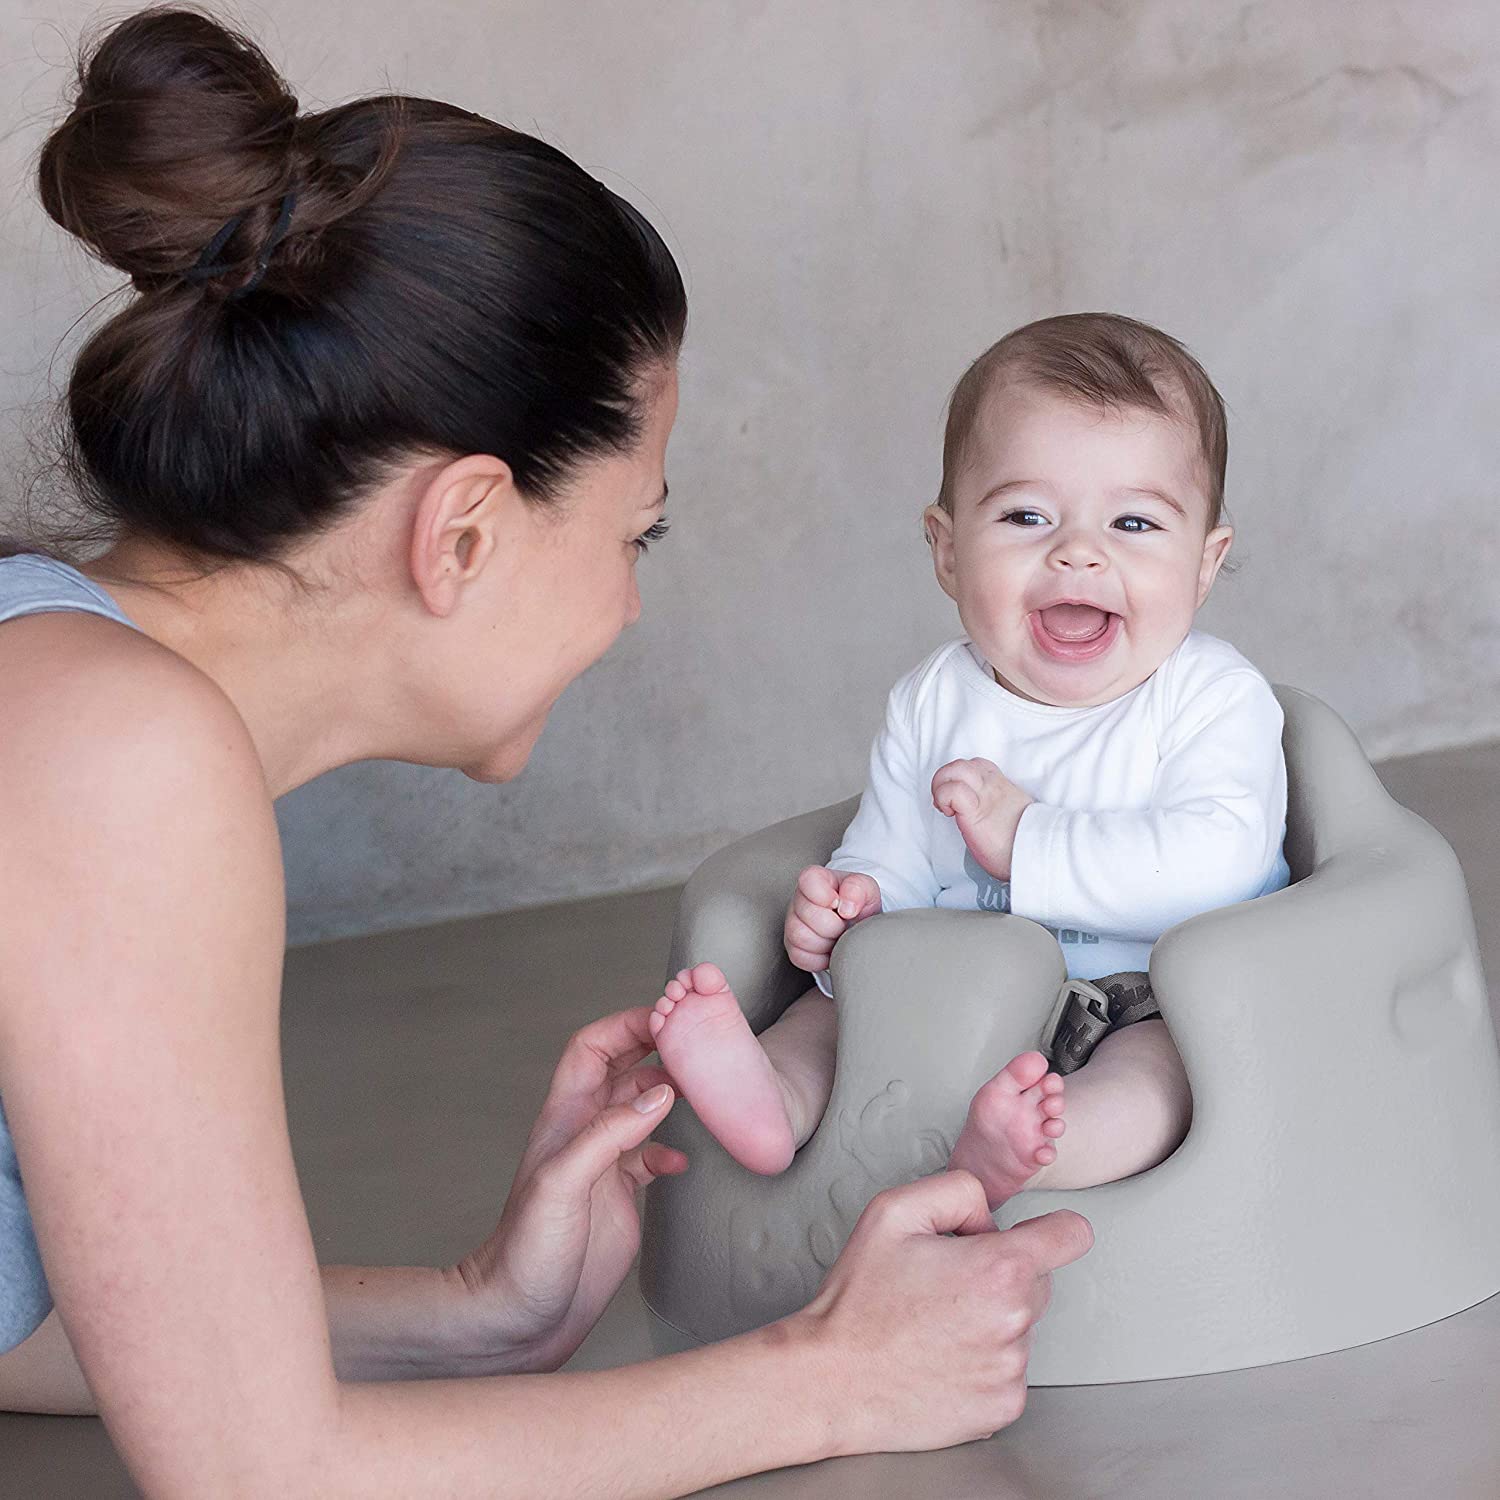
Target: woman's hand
570	1227
924	1321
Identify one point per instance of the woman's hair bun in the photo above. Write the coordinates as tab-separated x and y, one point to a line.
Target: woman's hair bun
179	125
327	294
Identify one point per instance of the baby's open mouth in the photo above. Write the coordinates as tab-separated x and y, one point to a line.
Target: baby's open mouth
1074	632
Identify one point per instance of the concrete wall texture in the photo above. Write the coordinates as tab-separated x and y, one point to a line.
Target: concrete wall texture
863	196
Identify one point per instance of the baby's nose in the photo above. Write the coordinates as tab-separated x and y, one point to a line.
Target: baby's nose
1077	552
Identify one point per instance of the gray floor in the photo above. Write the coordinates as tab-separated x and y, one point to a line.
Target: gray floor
415	1062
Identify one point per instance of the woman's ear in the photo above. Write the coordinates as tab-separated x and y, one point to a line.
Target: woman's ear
455	527
937	523
1215	549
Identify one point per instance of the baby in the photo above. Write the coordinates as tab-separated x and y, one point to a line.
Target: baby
1083	757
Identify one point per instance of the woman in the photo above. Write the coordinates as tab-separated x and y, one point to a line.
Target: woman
380	440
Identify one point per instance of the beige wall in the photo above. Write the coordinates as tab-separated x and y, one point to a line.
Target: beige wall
862	196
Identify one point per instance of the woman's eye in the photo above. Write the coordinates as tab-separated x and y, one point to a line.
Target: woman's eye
653	533
1024	518
1136	524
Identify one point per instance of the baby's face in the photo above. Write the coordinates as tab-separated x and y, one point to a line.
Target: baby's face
1078	550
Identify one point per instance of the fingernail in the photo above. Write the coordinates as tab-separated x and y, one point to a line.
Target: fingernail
651	1101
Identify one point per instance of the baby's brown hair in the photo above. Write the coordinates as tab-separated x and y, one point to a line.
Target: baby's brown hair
1110	361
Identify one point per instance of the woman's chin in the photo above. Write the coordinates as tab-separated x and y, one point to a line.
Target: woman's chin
503	765
488	775
506	761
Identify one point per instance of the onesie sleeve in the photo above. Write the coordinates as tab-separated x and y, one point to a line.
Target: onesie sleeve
887	838
1211	836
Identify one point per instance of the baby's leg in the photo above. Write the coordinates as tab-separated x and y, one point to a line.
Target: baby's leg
801	1046
1128	1108
760	1097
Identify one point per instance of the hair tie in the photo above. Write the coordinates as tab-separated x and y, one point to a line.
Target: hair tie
208	266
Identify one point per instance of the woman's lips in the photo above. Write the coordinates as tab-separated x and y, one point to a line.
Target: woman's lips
1075	646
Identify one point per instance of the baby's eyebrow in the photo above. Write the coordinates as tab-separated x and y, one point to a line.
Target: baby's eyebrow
1014	484
1155	494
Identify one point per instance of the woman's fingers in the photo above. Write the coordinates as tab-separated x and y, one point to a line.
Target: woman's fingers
646	1163
590	1070
945	1203
931	1309
600	1051
620	1040
576	1167
639	1080
1054	1240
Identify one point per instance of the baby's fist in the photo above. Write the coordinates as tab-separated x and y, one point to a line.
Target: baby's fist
827	903
987	807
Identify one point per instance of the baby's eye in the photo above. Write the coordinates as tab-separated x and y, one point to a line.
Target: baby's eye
1136	524
1024	517
653	533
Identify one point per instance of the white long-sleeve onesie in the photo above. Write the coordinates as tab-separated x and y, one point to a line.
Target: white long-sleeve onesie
1160	804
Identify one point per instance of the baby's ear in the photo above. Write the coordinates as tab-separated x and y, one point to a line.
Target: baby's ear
937	525
1215	549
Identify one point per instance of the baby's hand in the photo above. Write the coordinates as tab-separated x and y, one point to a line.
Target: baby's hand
987	807
827	904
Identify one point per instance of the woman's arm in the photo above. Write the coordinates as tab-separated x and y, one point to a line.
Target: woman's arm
139	1063
527	1297
385	1323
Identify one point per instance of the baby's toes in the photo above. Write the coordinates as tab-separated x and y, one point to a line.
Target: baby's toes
1053	1128
1026	1071
655	1021
1052	1105
676	990
1045	1156
1052	1084
707	979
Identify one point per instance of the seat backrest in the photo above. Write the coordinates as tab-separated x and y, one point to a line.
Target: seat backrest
1335	800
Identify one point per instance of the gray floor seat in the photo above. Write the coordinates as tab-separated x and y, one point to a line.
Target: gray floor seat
1341	1179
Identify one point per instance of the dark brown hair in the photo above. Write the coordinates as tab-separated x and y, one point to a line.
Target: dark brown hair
395	277
1104	359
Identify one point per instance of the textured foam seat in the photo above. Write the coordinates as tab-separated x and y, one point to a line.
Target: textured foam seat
1341	1179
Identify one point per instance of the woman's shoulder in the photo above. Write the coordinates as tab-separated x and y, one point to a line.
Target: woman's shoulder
138	841
85	685
104	727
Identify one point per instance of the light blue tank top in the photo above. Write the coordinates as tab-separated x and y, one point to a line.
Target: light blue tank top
32	585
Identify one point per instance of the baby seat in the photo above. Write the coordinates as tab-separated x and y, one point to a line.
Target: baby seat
1341	1179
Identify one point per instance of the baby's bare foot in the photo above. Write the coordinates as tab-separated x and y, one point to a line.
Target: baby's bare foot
721	1070
1012	1121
